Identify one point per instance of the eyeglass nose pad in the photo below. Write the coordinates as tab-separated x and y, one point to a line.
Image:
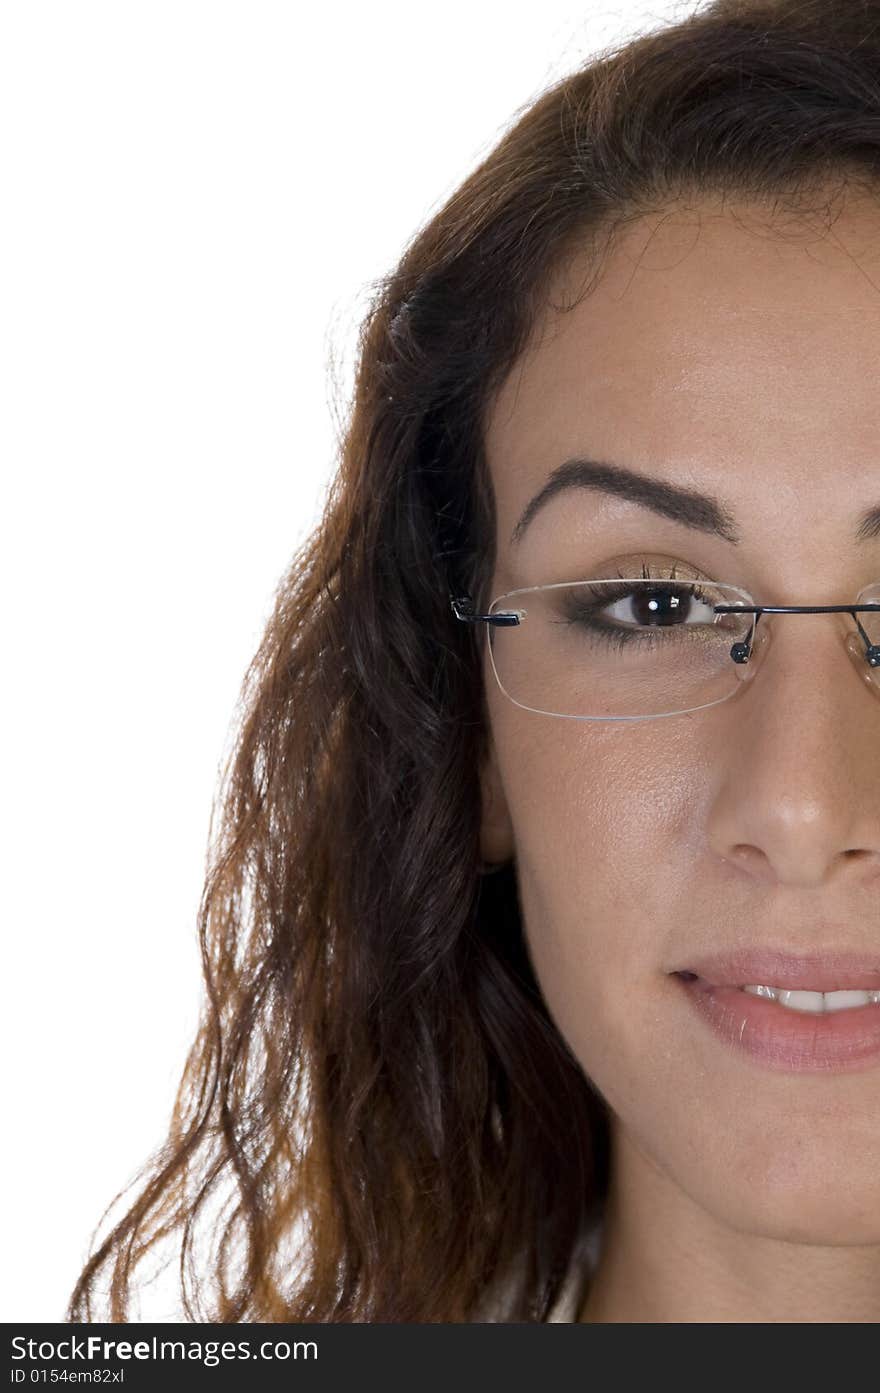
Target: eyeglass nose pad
855	646
758	646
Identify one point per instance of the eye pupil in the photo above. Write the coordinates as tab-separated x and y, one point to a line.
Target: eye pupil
660	605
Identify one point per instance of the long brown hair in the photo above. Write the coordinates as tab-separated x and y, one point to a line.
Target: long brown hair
378	1119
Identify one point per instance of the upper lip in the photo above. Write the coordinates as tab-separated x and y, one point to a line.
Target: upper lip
771	967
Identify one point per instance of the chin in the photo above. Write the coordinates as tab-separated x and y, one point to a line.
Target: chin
830	1209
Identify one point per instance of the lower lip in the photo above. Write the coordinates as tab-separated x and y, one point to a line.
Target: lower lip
787	1040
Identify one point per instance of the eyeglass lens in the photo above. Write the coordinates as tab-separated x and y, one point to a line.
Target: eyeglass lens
605	648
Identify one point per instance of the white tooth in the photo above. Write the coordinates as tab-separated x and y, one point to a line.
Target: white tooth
839	1001
815	1002
802	1001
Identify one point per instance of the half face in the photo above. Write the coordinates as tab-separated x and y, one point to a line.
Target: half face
735	359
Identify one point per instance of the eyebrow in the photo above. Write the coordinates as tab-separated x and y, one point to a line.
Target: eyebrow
701	511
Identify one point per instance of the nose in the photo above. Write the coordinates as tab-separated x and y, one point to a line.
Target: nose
797	800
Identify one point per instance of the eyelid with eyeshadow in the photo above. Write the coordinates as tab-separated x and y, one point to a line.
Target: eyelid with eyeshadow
648	566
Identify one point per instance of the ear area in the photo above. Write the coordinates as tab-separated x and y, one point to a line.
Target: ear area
496	829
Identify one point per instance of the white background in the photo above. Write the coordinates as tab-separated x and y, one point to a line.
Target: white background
196	198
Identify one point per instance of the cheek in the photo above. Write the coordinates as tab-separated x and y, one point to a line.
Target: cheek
607	828
607	831
601	870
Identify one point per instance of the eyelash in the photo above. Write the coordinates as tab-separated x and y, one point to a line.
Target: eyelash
583	614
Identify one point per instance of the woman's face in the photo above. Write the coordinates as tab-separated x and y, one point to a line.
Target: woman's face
739	359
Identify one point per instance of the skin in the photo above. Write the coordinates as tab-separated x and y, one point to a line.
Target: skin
733	351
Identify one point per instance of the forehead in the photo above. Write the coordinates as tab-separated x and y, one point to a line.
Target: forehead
720	347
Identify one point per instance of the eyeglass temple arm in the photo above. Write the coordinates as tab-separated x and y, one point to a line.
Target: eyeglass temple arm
462	606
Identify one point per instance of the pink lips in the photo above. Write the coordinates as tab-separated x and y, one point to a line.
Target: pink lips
768	967
780	1038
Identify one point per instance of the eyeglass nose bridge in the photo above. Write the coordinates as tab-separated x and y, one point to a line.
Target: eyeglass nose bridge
863	652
